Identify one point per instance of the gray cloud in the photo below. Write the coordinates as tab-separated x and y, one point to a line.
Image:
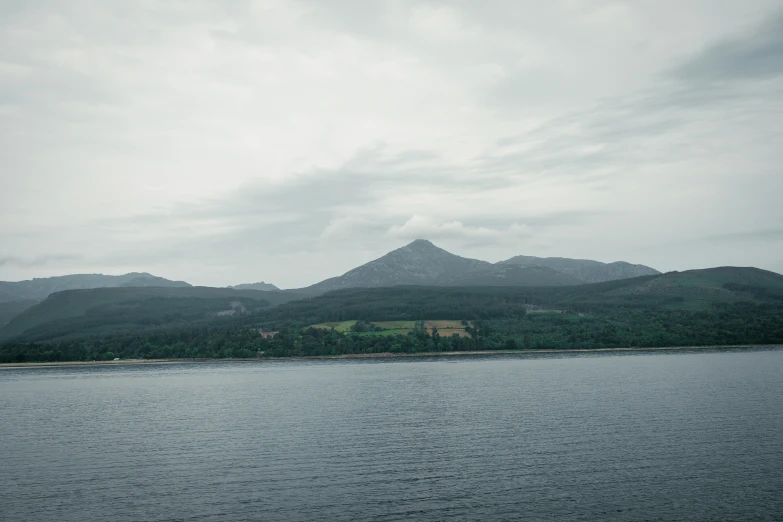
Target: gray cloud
228	142
756	54
771	235
37	261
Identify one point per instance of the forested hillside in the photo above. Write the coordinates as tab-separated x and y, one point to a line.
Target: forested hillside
102	310
720	306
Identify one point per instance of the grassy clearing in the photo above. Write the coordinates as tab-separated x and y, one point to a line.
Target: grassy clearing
392	325
343	326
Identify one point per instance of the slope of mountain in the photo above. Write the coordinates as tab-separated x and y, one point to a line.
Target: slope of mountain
703	288
268	287
690	291
585	270
514	275
40	288
418	263
11	309
422	263
99	309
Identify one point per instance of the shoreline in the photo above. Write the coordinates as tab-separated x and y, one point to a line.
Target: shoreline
383	355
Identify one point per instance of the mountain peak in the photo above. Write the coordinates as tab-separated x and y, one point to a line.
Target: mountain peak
421	243
420	262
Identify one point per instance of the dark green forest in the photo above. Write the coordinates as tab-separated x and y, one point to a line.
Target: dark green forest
645	312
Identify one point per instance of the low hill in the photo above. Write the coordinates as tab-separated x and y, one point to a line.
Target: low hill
40	288
585	270
101	309
704	288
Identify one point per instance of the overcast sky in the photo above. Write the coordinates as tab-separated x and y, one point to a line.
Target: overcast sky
225	142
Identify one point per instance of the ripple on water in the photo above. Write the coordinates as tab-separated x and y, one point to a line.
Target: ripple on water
648	436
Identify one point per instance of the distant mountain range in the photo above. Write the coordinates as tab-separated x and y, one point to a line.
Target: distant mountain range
707	290
416	281
422	263
18	296
41	288
418	263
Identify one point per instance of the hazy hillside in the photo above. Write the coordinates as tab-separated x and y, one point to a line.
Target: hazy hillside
40	288
84	310
720	306
11	309
585	270
513	275
692	290
268	287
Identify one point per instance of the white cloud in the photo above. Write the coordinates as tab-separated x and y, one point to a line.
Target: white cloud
425	227
291	140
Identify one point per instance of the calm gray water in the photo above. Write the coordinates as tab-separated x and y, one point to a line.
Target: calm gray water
647	436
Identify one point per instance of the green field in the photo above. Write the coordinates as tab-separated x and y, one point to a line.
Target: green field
445	328
343	326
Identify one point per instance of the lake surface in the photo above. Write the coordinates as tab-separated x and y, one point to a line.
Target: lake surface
642	436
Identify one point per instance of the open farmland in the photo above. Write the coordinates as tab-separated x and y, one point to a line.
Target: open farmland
445	328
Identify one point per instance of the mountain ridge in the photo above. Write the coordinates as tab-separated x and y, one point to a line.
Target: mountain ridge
423	263
143	306
585	270
707	298
41	287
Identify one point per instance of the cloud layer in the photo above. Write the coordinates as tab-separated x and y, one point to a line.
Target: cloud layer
288	141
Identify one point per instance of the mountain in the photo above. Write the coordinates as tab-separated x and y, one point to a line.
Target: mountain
585	270
693	291
422	263
718	306
40	288
100	310
268	287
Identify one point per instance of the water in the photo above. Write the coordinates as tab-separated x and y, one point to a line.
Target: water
648	436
